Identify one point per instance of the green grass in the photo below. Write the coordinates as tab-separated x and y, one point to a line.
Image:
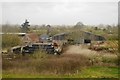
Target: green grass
91	72
100	72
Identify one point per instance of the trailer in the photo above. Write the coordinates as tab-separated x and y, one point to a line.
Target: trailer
49	48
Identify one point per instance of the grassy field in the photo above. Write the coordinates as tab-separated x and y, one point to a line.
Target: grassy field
91	72
41	65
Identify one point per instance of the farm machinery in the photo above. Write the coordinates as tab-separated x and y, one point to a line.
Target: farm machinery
50	48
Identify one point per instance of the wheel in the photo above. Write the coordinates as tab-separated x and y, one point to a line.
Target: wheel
55	53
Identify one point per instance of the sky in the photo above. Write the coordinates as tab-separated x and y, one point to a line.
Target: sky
60	13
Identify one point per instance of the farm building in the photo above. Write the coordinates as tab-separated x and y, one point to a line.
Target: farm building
30	38
61	36
87	37
93	37
60	40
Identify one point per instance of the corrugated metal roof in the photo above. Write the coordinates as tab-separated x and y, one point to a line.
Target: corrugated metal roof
60	34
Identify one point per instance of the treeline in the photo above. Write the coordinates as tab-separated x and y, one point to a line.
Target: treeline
7	28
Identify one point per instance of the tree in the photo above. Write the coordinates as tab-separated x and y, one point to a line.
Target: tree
25	25
79	25
96	28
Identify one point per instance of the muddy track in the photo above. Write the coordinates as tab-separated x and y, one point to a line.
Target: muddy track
75	49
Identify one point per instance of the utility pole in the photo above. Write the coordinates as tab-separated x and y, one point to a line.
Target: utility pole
48	29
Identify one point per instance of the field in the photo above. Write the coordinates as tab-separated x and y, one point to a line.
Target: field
82	64
93	72
76	61
66	66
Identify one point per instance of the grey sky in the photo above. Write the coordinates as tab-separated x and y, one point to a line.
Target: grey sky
55	13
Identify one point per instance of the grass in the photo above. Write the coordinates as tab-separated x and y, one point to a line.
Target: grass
100	72
91	72
45	64
41	65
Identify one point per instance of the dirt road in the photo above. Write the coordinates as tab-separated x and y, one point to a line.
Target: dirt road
75	49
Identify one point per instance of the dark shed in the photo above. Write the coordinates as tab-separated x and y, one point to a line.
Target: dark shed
60	36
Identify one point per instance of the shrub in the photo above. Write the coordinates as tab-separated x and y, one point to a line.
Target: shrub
9	40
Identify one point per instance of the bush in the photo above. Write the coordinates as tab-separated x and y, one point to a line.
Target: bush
9	40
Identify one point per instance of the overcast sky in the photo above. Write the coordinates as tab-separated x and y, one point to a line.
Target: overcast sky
60	13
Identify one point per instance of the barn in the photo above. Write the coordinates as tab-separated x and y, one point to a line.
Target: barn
61	36
88	37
